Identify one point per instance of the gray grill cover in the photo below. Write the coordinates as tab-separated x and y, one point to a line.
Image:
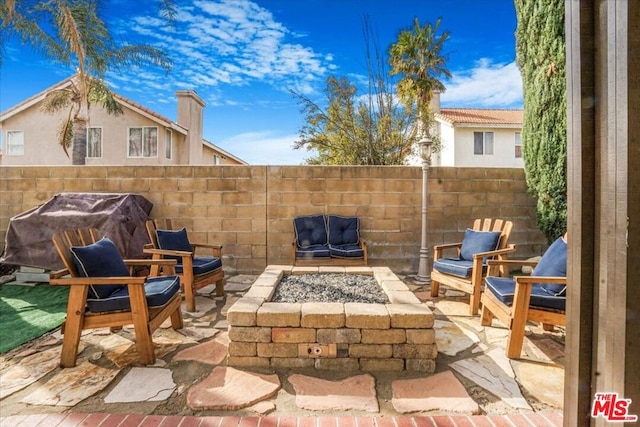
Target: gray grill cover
121	217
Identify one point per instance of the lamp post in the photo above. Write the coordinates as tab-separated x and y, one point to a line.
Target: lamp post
425	152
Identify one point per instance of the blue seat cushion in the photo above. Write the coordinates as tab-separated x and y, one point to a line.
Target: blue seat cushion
315	251
100	259
454	266
553	264
343	230
504	289
202	265
158	291
310	230
478	241
346	251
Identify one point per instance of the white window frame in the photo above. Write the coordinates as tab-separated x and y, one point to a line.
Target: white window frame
148	152
518	145
13	148
89	144
487	143
217	160
168	141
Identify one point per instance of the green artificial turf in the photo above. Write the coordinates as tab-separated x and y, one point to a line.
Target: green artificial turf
28	312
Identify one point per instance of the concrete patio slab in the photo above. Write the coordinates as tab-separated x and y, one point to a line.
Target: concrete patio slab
439	392
356	393
143	385
72	385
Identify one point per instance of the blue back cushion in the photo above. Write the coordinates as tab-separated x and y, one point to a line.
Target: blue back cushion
100	259
553	264
310	230
173	240
478	241
343	230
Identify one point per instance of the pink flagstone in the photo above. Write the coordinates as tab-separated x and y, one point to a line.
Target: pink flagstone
229	389
356	393
211	352
439	392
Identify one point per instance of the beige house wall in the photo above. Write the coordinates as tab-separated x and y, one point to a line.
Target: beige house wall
41	129
249	209
458	145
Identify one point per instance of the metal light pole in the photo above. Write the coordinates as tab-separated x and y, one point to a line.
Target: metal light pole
425	152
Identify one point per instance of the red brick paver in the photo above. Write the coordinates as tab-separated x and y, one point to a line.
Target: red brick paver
549	419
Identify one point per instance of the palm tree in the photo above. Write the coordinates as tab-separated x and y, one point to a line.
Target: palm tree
417	57
80	39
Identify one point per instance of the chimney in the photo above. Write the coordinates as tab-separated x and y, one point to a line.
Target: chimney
434	105
190	107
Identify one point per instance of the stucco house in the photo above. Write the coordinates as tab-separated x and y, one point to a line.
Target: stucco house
473	137
140	136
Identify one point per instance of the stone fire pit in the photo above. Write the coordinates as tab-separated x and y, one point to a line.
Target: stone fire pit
395	336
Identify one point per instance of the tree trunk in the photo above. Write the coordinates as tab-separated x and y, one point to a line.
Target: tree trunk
79	152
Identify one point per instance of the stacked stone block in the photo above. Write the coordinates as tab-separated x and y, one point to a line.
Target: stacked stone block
335	336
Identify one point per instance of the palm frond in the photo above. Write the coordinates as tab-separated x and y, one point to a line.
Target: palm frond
100	94
65	133
56	100
140	55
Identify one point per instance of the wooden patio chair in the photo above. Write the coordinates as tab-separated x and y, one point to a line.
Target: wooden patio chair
540	297
488	239
102	293
195	271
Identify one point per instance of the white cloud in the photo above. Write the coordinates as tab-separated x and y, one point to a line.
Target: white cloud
235	42
262	148
487	85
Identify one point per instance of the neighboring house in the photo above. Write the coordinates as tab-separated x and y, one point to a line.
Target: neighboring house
29	136
472	137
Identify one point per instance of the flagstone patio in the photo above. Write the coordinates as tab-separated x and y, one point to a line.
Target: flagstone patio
191	376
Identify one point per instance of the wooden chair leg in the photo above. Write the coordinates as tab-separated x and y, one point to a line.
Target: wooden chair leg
486	317
476	282
474	303
73	326
520	311
140	315
177	321
188	286
435	288
220	288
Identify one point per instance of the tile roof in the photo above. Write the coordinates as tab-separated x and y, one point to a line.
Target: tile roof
459	116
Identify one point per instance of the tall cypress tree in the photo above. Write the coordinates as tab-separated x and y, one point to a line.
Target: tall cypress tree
540	54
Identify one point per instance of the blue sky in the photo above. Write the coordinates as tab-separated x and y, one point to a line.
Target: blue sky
243	57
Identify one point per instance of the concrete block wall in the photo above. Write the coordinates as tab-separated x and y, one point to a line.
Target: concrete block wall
249	209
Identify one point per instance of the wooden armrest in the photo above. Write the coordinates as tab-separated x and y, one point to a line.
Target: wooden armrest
448	245
205	245
216	250
166	252
509	249
540	279
97	281
59	273
512	262
144	262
